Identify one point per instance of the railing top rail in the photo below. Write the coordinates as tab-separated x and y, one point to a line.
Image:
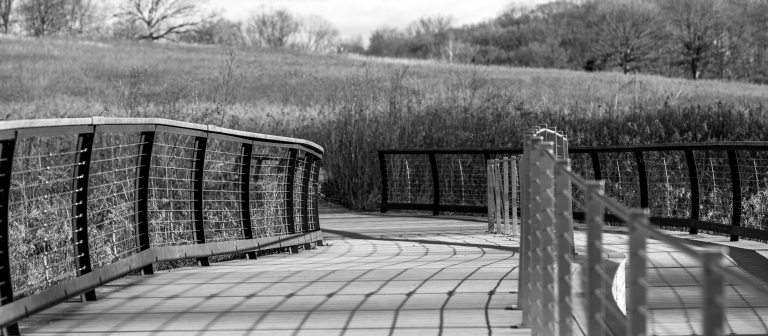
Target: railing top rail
8	127
473	150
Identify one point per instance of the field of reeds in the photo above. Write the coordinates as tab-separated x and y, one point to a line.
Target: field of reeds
353	105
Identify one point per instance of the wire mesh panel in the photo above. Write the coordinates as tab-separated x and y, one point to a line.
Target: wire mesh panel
619	170
269	190
112	197
410	179
41	213
753	171
462	179
669	185
298	184
314	194
714	186
221	191
581	163
171	191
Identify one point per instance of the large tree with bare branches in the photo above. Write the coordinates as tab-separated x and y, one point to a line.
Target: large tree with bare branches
159	19
5	14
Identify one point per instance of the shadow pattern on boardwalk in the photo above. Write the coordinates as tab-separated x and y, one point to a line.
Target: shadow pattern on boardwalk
378	275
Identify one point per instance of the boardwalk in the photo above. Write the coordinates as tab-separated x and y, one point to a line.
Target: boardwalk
382	275
378	275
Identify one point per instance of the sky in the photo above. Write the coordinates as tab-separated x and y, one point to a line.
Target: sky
361	17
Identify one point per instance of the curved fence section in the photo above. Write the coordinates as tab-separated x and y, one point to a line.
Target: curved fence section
718	188
545	293
84	201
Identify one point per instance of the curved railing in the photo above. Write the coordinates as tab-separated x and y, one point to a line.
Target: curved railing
545	295
85	201
716	187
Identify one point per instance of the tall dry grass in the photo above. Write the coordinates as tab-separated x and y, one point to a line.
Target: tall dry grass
354	105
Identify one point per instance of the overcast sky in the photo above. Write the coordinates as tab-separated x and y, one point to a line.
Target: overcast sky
361	17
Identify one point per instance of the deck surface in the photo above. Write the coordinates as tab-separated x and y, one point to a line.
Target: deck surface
387	275
378	275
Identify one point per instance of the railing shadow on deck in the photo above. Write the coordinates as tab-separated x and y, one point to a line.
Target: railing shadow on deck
84	201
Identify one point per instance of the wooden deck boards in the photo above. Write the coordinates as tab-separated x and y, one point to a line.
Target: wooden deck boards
377	276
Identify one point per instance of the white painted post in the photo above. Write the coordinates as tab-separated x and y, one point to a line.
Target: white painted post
564	242
489	196
523	276
497	192
505	194
534	235
546	237
637	300
594	267
714	293
515	230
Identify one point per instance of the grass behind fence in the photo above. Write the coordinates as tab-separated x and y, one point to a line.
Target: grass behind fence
353	105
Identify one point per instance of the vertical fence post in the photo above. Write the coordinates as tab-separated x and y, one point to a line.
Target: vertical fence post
714	293
7	148
564	243
198	173
694	183
290	211
246	154
546	238
435	184
384	182
81	173
489	194
141	206
733	163
308	163
642	177
523	271
515	229
316	198
535	247
637	301
497	223
505	193
596	165
595	282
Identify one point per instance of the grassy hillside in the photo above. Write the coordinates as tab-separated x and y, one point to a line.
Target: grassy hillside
352	105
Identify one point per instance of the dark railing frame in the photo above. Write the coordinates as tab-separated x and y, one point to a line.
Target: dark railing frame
693	223
88	279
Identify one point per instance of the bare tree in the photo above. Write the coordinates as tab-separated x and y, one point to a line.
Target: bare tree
5	14
625	32
695	25
79	16
272	28
160	18
44	17
317	34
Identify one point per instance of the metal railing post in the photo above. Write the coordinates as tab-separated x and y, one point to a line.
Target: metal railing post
515	228
535	253
435	184
308	163
7	149
497	223
198	216
384	182
642	178
694	183
637	300
564	243
81	174
594	266
505	193
733	163
490	195
546	238
246	154
714	293
290	184
524	261
141	207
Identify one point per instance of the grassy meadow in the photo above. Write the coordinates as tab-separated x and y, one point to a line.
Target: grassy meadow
352	105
